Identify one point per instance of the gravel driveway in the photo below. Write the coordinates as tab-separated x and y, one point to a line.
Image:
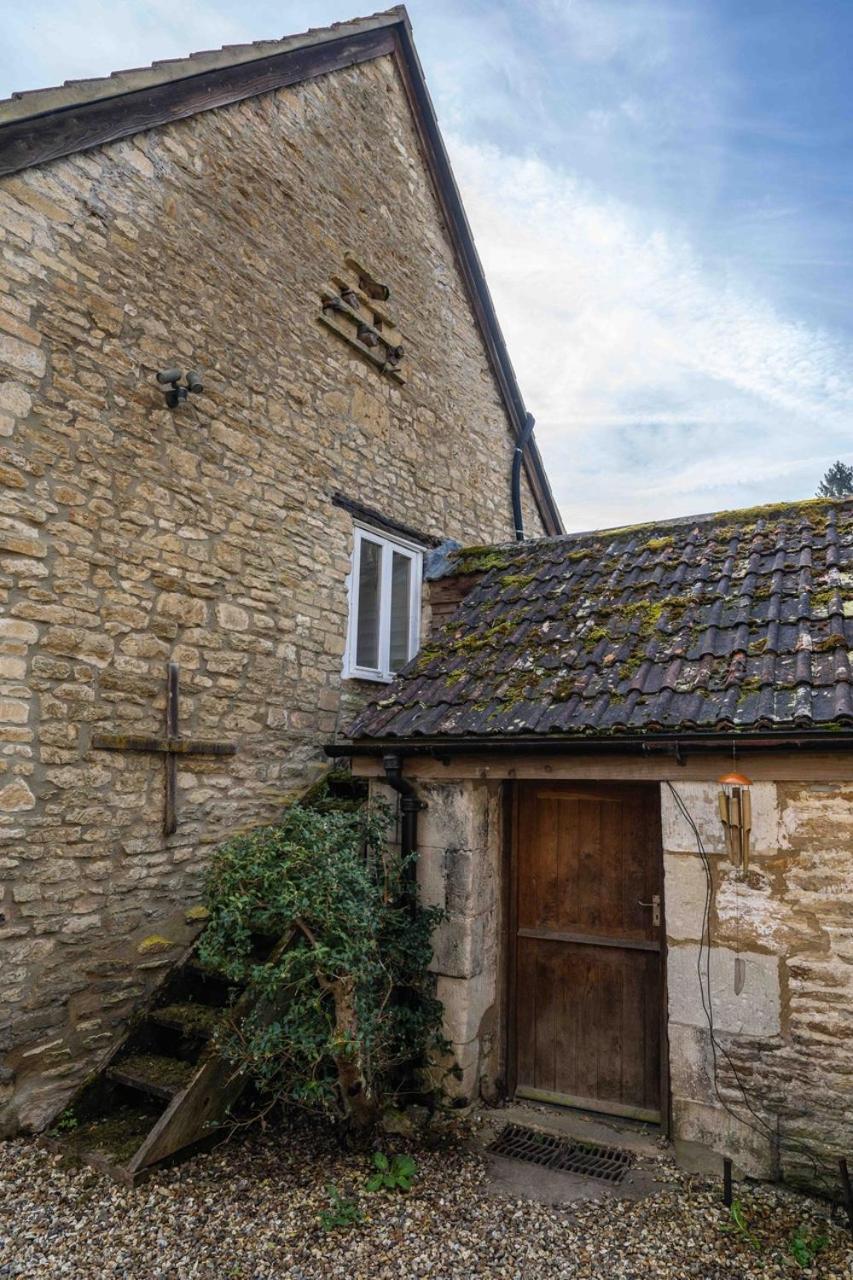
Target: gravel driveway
248	1211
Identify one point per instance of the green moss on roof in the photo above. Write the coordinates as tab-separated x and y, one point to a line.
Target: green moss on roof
833	641
481	559
659	544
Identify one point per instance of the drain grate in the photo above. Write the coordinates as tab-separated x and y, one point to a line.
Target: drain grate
587	1158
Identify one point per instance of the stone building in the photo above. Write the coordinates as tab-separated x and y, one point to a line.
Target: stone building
278	226
634	748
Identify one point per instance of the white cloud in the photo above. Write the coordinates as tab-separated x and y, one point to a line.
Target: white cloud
662	385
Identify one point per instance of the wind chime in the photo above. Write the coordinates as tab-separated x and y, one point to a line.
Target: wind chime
736	815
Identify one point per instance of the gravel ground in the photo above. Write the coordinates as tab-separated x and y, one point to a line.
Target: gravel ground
248	1211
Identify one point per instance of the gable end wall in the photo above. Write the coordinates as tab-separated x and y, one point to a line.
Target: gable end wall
131	535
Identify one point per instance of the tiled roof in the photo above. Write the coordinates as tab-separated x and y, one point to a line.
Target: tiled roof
738	621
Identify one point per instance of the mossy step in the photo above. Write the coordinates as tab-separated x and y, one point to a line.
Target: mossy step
114	1137
189	1018
151	1073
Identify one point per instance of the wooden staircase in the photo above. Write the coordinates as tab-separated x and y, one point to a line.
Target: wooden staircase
165	1089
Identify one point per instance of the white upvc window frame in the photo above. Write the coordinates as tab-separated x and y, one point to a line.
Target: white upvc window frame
389	545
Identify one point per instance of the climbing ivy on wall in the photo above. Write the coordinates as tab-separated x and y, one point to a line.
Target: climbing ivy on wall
344	1016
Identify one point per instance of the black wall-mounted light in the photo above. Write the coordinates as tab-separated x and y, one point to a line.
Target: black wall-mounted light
177	394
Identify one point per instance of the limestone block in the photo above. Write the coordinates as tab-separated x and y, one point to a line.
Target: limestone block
16	796
755	1012
747	908
715	1128
15	399
684	895
22	355
432	877
186	609
700	799
466	1002
13	629
456	816
458	947
232	618
690	1062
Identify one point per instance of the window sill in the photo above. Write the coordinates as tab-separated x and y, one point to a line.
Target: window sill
368	677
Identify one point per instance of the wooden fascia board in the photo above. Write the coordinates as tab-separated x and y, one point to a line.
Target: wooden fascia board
760	766
79	127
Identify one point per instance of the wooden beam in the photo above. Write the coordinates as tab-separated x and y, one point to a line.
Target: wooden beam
591	939
777	766
165	746
91	124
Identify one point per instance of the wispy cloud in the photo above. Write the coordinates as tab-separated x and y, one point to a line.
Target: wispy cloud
661	386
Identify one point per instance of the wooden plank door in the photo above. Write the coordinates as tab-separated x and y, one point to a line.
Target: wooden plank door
588	950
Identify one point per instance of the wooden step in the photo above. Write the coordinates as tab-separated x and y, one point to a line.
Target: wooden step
150	1073
189	1018
112	1138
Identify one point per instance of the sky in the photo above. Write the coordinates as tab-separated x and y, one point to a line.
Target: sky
661	194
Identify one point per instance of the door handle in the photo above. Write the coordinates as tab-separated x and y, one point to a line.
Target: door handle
655	906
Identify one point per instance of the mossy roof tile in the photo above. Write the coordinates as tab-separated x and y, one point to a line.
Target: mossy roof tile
741	620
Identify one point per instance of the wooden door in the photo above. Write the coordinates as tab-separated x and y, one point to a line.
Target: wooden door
588	953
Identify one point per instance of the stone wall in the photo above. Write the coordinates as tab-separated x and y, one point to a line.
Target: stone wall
788	1035
131	534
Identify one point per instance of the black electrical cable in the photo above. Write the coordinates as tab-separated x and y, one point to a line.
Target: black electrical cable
765	1130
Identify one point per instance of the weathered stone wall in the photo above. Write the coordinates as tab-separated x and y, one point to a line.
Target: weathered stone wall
131	534
788	1035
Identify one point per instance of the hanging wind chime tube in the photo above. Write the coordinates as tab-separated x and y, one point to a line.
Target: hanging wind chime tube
736	815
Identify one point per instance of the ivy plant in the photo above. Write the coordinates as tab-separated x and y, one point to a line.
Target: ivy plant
343	1010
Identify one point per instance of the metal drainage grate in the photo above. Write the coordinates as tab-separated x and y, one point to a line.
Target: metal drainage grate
586	1158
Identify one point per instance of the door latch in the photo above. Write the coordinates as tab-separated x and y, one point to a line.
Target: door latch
655	906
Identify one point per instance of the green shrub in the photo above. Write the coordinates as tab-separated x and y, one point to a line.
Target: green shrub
345	1014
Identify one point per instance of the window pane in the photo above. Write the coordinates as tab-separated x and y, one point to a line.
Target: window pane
401	578
367	635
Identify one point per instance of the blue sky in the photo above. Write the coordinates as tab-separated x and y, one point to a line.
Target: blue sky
661	192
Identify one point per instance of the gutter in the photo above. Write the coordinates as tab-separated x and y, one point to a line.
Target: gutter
663	744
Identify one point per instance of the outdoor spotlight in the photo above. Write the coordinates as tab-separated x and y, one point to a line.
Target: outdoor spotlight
176	394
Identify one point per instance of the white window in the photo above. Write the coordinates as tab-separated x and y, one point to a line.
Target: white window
385	606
